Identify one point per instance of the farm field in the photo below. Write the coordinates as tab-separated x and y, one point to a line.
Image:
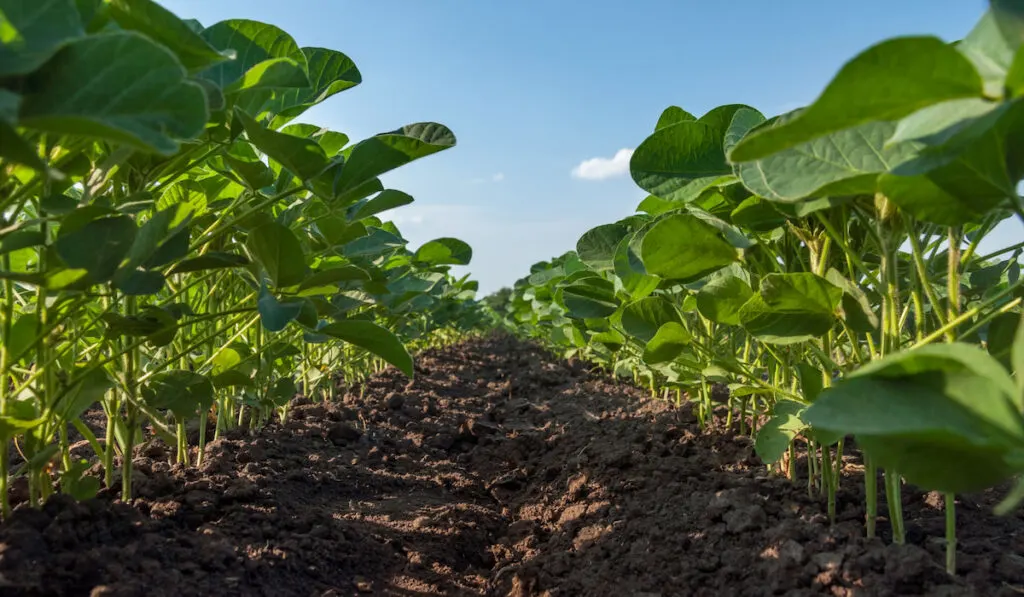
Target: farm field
795	366
499	471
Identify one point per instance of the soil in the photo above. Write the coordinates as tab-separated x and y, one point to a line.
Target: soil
500	471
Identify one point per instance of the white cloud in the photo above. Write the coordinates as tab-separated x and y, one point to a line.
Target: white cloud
602	168
500	176
497	177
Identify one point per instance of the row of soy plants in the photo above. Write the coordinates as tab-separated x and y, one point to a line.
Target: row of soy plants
825	264
176	247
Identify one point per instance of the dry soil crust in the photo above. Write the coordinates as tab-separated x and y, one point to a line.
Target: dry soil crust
498	472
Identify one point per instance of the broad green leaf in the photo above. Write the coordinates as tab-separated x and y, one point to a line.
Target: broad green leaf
83	395
278	250
82	91
990	51
630	269
163	27
857	309
183	393
845	162
680	161
790	308
302	157
274	314
32	31
1002	331
344	273
253	43
611	339
774	437
959	189
597	246
685	247
643	319
721	299
98	247
590	297
274	73
673	115
20	239
382	153
669	342
945	416
445	251
656	206
743	121
23	336
330	72
11	426
210	261
386	200
885	82
376	242
812	381
13	147
756	214
374	338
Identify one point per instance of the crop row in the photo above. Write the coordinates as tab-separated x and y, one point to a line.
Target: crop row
824	265
177	248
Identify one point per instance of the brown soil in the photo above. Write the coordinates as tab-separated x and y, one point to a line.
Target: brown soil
498	472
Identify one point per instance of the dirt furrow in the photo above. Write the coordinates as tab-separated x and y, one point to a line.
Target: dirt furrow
499	471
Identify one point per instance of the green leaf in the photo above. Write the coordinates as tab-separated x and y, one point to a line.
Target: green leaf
278	250
275	73
210	261
597	247
846	162
885	82
11	426
1017	358
274	314
685	247
386	200
302	157
445	251
98	247
21	239
33	31
721	299
756	214
990	51
643	319
83	395
253	42
344	273
23	336
184	393
382	153
857	310
163	27
375	339
946	416
330	72
82	90
13	147
673	115
774	437
790	308
812	381
669	342
1002	332
743	121
590	298
676	163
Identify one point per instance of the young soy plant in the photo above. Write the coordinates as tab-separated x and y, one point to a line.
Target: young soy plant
177	248
825	266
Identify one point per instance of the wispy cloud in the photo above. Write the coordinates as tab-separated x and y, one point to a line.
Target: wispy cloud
602	168
500	176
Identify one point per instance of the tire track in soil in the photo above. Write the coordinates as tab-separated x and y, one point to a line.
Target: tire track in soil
498	472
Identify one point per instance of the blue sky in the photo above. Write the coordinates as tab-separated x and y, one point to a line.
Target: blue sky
535	88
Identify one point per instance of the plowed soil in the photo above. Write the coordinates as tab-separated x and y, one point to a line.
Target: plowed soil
500	471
